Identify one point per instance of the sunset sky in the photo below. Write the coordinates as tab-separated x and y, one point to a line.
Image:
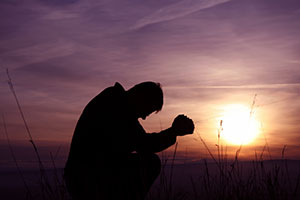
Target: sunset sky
207	54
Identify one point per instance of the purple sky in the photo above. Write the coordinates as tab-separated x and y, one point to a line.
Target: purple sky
205	53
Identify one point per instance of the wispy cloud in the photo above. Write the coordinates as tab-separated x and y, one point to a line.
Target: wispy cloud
38	53
258	86
60	15
176	10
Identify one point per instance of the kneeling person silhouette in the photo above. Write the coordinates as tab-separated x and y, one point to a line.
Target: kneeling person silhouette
111	156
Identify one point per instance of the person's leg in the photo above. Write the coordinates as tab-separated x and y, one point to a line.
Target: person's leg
128	179
140	172
72	185
82	185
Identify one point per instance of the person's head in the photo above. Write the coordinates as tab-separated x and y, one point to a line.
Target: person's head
145	98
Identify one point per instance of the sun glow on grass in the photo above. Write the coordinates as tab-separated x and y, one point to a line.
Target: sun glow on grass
239	125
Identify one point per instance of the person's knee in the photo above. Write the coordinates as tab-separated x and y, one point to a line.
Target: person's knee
157	161
154	163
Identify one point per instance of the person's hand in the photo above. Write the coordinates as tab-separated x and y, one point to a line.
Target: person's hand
182	125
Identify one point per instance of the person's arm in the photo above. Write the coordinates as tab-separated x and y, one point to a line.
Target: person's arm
156	142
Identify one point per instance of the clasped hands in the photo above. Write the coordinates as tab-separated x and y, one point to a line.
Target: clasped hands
182	125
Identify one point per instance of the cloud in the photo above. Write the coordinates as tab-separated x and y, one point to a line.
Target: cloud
176	10
38	53
60	15
58	2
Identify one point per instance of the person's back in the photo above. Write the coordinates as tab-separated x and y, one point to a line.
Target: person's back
92	133
101	162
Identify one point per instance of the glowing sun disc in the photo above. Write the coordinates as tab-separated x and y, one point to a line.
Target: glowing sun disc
238	125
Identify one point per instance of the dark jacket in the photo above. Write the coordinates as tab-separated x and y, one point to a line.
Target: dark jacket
107	132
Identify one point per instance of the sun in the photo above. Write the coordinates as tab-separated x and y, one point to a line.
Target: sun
239	125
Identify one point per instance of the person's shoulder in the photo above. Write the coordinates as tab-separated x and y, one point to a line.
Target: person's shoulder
117	88
114	91
108	98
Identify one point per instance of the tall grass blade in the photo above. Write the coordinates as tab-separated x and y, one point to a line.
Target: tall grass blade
45	184
29	194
